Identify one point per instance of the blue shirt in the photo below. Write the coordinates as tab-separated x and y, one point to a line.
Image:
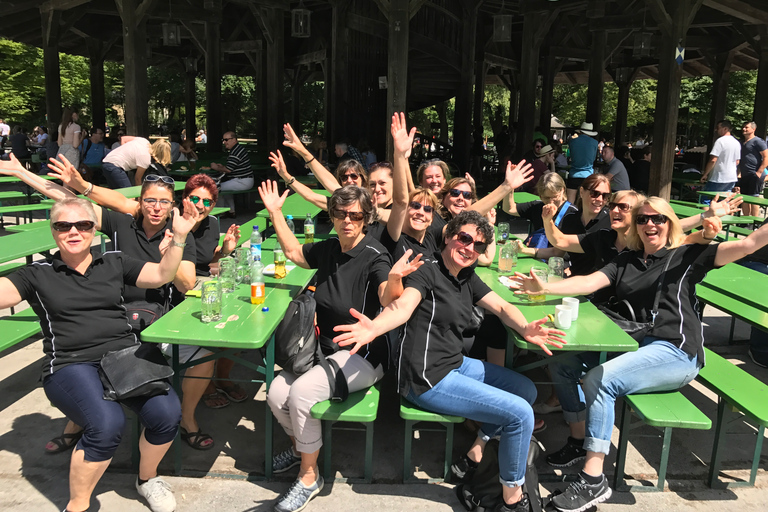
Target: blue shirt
583	153
95	153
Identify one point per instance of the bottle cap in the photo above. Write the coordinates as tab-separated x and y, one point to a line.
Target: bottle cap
265	309
289	217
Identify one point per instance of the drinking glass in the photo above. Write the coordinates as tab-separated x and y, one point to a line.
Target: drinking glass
503	232
227	274
542	274
211	301
243	265
507	258
556	269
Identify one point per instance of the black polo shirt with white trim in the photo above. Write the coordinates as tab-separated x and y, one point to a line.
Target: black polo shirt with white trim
635	280
128	236
206	241
431	341
82	316
349	280
586	263
428	247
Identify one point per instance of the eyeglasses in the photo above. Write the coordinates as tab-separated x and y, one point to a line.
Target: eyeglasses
225	139
466	240
624	207
353	216
152	202
537	147
418	206
151	178
464	193
206	202
594	194
350	176
657	219
80	225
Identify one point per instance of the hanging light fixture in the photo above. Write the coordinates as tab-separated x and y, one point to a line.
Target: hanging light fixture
190	64
300	18
502	28
171	34
622	74
642	45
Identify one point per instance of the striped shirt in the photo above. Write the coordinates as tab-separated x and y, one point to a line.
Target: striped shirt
239	163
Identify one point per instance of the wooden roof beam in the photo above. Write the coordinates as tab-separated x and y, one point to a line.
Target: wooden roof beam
61	5
739	10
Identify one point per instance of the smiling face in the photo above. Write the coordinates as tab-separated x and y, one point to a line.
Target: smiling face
156	214
380	182
653	237
433	179
748	130
621	216
456	255
202	194
418	219
347	228
456	205
73	242
595	204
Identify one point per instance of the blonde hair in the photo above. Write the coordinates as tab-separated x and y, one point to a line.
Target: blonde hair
550	182
675	237
426	196
638	196
161	151
72	202
429	163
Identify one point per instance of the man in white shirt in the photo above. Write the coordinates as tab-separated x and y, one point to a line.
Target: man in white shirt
5	130
723	161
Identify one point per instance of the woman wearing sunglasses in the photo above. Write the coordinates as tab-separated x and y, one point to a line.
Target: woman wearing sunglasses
78	296
668	358
353	271
436	307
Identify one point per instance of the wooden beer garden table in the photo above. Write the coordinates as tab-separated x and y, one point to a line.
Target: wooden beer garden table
25	245
297	206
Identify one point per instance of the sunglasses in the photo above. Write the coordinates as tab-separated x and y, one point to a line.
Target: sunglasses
418	206
80	225
151	178
350	176
152	202
464	193
466	240
353	216
538	147
594	194
657	219
227	139
206	202
624	207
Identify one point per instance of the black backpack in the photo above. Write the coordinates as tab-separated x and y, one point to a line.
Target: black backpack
483	493
297	348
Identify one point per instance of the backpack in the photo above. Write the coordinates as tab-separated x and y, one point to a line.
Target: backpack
297	345
538	239
483	493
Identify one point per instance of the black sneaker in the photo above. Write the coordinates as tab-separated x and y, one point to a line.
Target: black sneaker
568	455
463	469
524	505
580	495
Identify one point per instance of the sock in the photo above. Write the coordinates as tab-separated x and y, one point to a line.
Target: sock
142	482
593	480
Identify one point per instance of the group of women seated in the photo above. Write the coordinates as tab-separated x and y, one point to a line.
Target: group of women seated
395	288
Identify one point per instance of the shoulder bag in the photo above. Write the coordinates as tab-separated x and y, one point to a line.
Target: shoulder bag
138	370
538	239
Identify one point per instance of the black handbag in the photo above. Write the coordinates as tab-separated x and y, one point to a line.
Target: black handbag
138	370
142	314
623	315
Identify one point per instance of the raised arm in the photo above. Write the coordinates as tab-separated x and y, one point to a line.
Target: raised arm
557	238
304	191
728	252
516	176
273	202
509	205
326	179
717	208
392	289
577	285
403	140
12	167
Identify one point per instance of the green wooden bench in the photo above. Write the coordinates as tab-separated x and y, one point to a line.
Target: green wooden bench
740	396
737	308
412	414
360	407
19	228
9	268
662	410
25	208
18	327
687	203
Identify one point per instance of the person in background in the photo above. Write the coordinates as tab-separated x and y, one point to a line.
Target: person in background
19	143
70	136
134	153
5	131
615	170
583	153
345	151
236	174
432	175
640	175
753	161
543	164
202	138
187	151
368	154
92	148
319	149
119	136
42	136
175	140
721	171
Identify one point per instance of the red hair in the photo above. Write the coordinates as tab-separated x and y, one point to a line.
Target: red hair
202	181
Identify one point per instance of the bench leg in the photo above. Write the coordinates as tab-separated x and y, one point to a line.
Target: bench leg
448	449
664	458
756	456
407	469
368	452
714	463
733	327
327	437
621	453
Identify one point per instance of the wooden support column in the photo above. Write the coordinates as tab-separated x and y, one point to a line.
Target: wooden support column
133	14
96	75
596	68
547	90
296	84
50	27
190	104
462	121
214	124
674	18
272	26
397	61
336	109
624	84
760	113
720	65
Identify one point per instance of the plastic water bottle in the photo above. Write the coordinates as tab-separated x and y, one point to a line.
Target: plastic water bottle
309	230
291	225
255	244
279	256
258	288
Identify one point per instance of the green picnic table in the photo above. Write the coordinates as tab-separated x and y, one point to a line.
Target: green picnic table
741	283
129	192
243	326
683	211
25	245
297	206
14	179
526	197
760	201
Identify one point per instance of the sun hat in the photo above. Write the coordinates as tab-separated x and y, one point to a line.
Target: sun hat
587	129
546	150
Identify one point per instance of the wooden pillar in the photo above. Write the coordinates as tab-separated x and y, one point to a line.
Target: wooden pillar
96	75
535	27
462	121
273	26
133	14
673	17
622	113
547	90
337	108
190	104
760	113
397	61
214	124
477	103
50	27
720	65
596	68
296	84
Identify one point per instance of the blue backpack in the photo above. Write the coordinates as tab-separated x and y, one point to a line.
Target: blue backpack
538	239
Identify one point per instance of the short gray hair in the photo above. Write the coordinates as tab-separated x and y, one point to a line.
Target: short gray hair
73	202
351	194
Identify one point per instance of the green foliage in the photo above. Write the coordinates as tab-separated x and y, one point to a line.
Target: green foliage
312	108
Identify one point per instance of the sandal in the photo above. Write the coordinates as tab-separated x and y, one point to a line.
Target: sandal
196	439
64	442
539	426
215	400
233	392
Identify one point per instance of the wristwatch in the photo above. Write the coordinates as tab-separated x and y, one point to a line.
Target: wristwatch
177	244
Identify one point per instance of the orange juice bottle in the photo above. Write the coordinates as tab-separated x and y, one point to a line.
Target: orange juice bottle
258	288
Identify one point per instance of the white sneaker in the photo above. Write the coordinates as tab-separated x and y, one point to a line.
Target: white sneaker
158	494
545	408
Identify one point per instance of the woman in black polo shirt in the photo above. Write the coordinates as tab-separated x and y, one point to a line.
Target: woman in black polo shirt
79	299
353	271
433	373
668	358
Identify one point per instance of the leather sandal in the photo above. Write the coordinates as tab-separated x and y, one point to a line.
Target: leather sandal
196	439
64	442
211	399
233	392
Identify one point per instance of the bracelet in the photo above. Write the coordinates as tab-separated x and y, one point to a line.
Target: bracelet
705	238
289	183
88	190
306	164
177	244
701	217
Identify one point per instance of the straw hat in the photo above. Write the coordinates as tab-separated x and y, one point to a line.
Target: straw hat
546	150
587	129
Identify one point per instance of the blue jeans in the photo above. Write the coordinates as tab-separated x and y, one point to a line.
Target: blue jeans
116	176
76	390
499	399
711	186
758	338
657	365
